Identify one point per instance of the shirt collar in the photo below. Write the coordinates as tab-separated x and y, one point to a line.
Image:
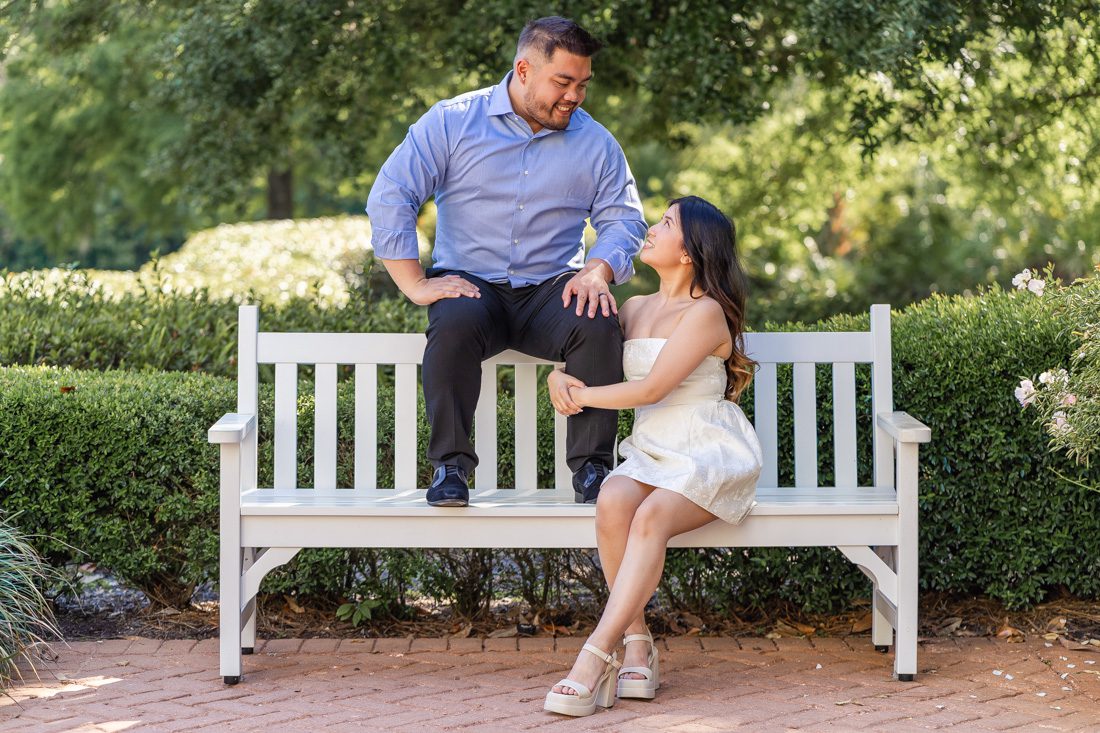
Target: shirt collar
501	104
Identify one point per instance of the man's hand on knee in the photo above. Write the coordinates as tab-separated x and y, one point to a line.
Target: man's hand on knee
431	289
409	277
590	285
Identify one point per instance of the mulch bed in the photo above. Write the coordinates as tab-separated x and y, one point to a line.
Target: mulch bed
1068	620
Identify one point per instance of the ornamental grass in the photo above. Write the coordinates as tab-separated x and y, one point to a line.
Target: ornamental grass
26	617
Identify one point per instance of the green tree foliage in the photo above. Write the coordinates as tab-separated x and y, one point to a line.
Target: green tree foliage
81	136
157	113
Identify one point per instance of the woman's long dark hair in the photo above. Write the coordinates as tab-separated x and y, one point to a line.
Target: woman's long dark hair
711	241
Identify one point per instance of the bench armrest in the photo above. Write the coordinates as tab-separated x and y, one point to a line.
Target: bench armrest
232	428
904	428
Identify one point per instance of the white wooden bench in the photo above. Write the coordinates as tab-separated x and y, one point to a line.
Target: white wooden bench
874	525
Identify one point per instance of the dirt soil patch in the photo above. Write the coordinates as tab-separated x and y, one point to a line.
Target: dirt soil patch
1071	622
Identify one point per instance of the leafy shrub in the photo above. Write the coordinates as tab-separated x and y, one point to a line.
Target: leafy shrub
1067	402
996	518
116	465
324	260
26	617
120	468
64	318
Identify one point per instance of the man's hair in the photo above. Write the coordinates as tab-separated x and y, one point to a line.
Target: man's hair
546	35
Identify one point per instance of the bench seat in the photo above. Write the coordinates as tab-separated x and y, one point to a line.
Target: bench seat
504	518
814	501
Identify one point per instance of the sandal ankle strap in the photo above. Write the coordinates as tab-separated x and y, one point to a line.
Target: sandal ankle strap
637	637
609	658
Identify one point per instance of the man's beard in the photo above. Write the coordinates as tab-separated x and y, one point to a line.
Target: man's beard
545	115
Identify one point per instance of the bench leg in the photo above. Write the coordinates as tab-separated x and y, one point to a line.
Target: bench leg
905	650
230	562
248	633
230	620
882	632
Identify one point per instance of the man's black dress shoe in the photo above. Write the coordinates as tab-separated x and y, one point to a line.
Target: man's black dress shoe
587	480
449	487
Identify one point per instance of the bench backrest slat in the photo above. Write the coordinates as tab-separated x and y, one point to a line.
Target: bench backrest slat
563	477
404	438
404	352
485	431
340	348
765	418
286	426
526	426
818	347
805	424
366	426
844	423
882	393
324	435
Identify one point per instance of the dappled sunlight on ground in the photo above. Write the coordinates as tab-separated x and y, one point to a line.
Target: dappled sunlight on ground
708	683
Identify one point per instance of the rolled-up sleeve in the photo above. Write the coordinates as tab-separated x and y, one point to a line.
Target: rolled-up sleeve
407	179
617	217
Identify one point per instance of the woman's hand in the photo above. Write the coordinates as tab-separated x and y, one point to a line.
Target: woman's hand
559	384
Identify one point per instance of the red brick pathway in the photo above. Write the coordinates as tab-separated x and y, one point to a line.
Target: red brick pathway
498	685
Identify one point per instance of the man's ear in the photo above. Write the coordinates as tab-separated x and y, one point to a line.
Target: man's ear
522	69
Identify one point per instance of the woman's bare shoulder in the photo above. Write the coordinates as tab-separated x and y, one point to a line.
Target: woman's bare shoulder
706	308
634	301
632	304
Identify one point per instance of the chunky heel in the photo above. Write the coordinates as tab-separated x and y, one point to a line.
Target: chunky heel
644	689
585	701
605	694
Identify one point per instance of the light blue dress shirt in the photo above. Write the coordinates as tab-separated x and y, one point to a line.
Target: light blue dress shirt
511	204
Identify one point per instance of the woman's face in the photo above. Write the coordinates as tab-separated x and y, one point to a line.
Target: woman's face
664	242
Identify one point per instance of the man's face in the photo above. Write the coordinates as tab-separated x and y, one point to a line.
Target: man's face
554	88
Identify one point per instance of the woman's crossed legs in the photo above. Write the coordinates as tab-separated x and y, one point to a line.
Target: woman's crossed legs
634	522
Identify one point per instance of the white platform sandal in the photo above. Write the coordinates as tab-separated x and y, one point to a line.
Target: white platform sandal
585	701
645	689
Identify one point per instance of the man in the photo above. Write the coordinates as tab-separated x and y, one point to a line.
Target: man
515	169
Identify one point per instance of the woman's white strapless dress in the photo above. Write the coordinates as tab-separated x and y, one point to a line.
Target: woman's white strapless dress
694	441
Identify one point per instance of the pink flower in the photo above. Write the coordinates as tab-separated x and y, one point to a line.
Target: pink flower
1069	399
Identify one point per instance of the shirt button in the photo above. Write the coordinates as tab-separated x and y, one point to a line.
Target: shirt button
521	207
515	241
511	272
525	173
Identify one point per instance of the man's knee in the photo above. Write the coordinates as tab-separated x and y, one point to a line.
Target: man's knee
459	320
458	313
598	330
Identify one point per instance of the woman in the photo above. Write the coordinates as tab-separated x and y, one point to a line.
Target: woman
693	456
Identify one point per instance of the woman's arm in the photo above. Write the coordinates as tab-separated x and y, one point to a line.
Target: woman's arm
559	383
700	333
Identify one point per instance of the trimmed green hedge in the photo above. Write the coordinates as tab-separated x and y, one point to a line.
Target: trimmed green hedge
115	464
119	467
69	320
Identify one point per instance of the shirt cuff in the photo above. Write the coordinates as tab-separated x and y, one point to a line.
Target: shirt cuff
621	264
392	244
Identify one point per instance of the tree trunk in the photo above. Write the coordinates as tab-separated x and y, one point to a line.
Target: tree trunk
280	194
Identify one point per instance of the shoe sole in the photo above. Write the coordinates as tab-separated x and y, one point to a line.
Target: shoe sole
636	693
449	502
